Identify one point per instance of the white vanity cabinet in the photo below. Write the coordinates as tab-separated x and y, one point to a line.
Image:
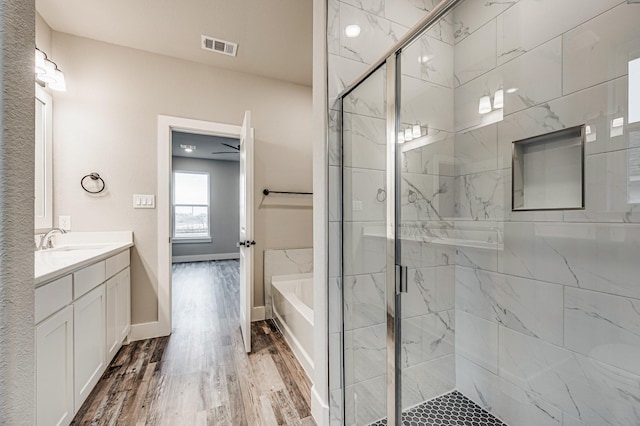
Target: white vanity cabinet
82	320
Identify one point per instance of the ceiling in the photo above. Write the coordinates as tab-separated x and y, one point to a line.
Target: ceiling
274	37
205	145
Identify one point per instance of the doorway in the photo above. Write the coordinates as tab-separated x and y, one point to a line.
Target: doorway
205	192
167	127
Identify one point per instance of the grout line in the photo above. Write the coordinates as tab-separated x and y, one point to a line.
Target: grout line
566	95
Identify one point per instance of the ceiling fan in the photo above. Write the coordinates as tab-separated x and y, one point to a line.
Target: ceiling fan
237	148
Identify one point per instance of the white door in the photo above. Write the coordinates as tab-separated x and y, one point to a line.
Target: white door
246	229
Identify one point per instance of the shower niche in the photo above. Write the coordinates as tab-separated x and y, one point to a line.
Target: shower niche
548	171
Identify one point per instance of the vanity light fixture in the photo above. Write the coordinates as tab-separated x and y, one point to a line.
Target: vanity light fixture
408	134
484	106
352	30
617	122
590	133
412	132
48	73
40	58
617	127
59	84
416	130
498	99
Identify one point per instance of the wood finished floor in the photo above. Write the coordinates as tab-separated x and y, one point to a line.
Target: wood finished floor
200	375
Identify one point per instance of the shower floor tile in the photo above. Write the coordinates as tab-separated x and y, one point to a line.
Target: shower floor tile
451	409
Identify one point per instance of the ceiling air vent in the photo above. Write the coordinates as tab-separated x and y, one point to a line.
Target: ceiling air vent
220	46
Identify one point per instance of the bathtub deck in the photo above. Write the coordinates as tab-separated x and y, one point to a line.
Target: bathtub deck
200	374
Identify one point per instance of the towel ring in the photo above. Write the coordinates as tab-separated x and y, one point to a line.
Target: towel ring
96	177
381	196
413	197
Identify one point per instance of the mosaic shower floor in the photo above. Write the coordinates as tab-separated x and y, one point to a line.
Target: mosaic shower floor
451	409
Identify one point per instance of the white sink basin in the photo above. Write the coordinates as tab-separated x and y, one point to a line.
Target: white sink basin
78	247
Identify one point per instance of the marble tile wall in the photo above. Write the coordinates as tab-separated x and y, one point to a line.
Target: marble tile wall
547	320
283	262
544	304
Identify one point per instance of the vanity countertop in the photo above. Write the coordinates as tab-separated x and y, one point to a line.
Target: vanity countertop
73	251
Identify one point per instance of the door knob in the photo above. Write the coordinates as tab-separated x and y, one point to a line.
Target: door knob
241	243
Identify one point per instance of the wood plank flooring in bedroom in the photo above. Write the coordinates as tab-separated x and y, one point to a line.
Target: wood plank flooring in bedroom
200	375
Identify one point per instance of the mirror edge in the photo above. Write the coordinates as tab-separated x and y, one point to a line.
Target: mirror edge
45	222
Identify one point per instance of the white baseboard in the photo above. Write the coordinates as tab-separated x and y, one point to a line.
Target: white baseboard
319	409
257	313
146	330
205	257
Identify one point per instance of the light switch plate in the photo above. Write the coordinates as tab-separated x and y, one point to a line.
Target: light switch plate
144	201
64	223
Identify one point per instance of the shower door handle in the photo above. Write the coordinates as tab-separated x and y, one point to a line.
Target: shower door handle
402	282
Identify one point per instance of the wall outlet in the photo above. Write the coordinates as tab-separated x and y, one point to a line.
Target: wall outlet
64	223
142	201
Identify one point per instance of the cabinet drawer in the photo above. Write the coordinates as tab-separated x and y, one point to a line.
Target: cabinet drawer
86	279
117	263
52	297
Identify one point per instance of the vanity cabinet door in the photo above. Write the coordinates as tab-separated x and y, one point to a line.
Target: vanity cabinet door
118	291
89	340
54	369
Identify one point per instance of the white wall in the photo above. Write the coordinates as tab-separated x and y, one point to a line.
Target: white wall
17	358
43	34
106	122
224	217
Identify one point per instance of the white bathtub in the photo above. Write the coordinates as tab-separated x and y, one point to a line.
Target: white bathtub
293	312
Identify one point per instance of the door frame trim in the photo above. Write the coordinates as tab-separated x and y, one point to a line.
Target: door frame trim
167	124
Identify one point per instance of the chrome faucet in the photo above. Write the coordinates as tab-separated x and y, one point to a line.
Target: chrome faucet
45	240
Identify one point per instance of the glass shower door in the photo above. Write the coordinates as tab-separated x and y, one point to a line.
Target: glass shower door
425	176
364	281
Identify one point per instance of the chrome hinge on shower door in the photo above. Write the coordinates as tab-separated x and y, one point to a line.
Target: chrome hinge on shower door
402	283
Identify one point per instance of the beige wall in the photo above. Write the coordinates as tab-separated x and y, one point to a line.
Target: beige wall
43	35
106	122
